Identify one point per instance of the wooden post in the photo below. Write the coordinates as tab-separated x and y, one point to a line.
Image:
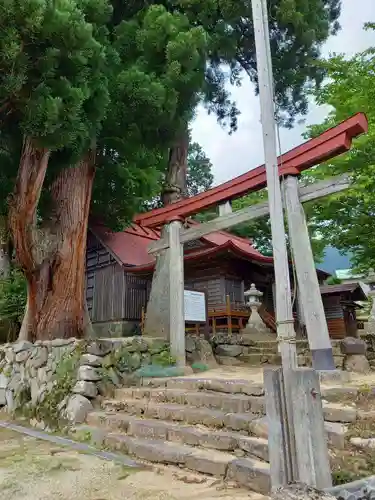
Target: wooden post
278	444
312	450
176	294
284	317
308	285
229	314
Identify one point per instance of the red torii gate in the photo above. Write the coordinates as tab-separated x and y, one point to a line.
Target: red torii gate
165	313
329	144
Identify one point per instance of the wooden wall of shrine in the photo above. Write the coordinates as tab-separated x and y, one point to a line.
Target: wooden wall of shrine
111	293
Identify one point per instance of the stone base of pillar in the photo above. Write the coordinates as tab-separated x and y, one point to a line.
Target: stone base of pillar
322	359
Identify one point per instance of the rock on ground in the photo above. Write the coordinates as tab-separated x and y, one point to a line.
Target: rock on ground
77	408
356	363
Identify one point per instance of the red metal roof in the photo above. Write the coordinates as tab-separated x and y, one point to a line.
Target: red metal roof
130	245
329	144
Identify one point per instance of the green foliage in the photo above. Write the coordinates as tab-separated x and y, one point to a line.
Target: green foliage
199	175
126	74
13	295
343	477
178	53
54	62
346	220
332	280
163	358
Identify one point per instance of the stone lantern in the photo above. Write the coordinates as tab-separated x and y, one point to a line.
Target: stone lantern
255	326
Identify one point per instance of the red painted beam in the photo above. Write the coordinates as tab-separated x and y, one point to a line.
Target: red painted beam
329	144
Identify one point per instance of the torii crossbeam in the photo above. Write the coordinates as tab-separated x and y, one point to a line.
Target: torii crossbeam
329	144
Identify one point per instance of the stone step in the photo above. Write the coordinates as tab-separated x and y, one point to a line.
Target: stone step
229	403
234	386
335	412
182	413
201	436
336	432
251	473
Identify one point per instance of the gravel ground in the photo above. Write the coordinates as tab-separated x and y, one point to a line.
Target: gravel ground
37	470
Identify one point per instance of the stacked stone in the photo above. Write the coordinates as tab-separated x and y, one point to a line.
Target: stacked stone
199	350
370	349
30	369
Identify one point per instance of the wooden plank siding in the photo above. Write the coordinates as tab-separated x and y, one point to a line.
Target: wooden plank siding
234	288
111	293
118	295
335	316
213	286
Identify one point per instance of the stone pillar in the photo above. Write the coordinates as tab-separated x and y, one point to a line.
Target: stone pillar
255	326
157	313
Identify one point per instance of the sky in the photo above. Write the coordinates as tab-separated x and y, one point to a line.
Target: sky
232	155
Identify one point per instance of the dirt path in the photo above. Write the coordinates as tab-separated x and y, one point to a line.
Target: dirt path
37	470
255	375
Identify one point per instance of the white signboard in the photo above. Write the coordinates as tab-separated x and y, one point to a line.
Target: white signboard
195	306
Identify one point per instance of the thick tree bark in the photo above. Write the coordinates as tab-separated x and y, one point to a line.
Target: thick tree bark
61	286
175	183
22	217
53	255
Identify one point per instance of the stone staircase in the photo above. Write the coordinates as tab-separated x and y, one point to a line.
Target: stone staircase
210	426
202	425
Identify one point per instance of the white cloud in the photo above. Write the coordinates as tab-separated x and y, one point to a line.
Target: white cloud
243	150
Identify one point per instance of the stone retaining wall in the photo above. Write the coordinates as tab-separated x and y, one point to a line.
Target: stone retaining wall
64	377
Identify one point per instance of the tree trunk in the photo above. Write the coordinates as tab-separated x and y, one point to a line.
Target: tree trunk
22	216
52	256
60	290
175	183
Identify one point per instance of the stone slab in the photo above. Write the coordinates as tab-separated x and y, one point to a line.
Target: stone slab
239	421
149	429
152	451
255	446
328	392
259	427
184	434
252	474
336	434
110	421
210	462
219	440
129	406
335	412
